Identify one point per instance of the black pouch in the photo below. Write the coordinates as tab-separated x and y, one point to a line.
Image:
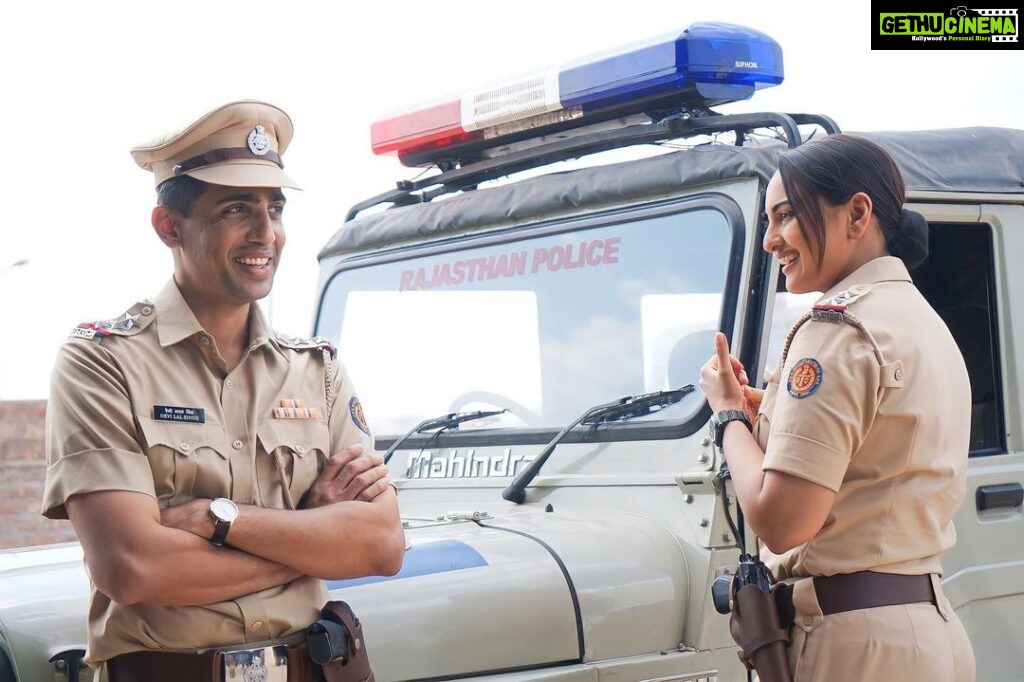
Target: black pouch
337	645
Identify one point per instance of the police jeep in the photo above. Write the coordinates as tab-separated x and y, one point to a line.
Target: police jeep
526	335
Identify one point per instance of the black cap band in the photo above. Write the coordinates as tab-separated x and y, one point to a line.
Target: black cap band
215	156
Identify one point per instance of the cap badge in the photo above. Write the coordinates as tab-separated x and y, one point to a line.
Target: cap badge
259	141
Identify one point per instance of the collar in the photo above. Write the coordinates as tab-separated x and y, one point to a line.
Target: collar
881	269
260	332
177	322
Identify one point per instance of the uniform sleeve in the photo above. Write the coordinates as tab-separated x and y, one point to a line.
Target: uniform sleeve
828	393
91	440
348	421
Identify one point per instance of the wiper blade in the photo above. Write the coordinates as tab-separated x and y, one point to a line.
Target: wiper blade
451	420
635	406
623	409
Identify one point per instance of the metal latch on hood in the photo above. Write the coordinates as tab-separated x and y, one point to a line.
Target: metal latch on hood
464	516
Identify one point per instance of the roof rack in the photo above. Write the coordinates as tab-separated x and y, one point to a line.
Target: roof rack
458	174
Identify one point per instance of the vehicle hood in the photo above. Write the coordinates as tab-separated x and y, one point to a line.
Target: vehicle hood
512	590
520	590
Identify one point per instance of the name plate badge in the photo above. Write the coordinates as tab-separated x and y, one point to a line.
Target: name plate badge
172	413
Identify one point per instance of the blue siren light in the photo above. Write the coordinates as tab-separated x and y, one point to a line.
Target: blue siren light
706	65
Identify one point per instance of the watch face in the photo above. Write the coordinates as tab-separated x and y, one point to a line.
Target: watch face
224	509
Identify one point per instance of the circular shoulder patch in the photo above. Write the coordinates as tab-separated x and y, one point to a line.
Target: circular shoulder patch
804	378
355	408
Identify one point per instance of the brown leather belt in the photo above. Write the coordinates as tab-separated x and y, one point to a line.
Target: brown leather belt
292	663
867	590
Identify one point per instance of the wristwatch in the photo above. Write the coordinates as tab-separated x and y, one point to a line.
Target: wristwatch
224	512
719	421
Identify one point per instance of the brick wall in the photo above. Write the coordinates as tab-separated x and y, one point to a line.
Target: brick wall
22	468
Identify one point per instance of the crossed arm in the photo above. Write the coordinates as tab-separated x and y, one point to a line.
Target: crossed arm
137	553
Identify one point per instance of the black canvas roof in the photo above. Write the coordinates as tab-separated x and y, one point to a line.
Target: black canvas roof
989	160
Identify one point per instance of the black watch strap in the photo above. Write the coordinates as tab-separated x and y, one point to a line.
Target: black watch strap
224	512
220	532
722	419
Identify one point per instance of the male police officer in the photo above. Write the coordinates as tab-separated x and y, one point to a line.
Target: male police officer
190	445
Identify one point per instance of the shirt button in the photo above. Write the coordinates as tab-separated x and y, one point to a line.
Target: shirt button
229	383
899	373
205	340
808	620
299	449
184	447
147	310
237	445
257	624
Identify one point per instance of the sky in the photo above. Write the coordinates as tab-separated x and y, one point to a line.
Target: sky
83	82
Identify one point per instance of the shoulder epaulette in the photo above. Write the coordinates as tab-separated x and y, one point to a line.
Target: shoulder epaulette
133	321
833	309
302	343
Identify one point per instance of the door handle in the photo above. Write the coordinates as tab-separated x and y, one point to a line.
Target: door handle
998	496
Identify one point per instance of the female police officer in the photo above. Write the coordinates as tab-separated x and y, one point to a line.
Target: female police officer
856	459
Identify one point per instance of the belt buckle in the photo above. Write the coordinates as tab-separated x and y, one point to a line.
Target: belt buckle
262	664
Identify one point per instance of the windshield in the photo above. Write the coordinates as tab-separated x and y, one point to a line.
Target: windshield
543	323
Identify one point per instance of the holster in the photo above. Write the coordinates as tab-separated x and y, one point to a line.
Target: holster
336	643
756	628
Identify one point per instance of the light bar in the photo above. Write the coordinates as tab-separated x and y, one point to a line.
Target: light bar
706	65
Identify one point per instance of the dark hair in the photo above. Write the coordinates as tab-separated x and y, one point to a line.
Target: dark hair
180	193
835	168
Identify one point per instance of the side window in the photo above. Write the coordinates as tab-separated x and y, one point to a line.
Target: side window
957	279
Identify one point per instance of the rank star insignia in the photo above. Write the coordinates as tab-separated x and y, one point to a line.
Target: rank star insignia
127	322
840	298
844	298
258	141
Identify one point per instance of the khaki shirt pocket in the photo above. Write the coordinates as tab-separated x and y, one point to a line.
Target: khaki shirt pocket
188	460
300	445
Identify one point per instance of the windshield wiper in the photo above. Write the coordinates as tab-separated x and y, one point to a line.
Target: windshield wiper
442	423
623	409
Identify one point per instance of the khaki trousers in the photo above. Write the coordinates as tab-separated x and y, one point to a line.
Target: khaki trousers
902	643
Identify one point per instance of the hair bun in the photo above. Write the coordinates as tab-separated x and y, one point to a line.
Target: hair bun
909	241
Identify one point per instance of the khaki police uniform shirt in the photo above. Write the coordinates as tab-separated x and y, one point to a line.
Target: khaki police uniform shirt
882	419
149	407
